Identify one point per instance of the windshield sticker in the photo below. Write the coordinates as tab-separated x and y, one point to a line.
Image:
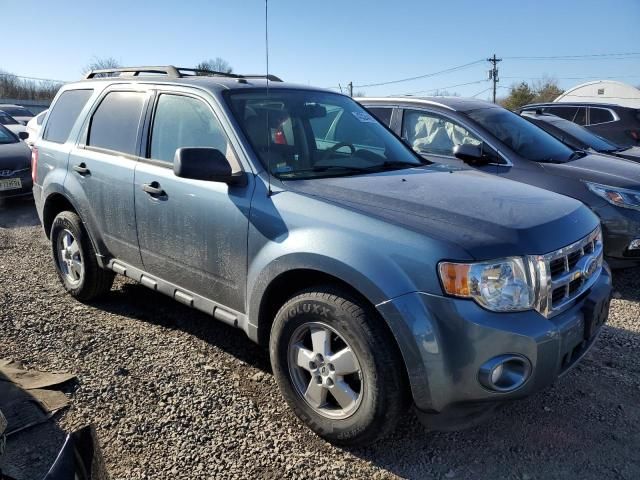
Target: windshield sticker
364	117
283	168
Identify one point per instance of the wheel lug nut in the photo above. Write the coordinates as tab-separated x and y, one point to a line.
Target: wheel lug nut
312	365
329	382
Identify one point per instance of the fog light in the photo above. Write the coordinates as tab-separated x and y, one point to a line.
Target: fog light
635	244
504	373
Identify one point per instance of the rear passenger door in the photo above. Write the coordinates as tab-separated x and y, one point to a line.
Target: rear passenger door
101	170
194	233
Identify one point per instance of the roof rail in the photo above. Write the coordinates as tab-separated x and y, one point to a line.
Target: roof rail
171	71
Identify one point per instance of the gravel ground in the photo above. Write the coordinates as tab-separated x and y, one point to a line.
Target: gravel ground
175	394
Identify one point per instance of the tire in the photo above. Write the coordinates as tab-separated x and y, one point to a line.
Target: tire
378	388
70	244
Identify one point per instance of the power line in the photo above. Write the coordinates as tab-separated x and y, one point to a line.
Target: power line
33	78
485	90
575	57
418	77
439	88
553	77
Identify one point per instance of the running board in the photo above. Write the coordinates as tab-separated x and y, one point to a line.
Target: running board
190	299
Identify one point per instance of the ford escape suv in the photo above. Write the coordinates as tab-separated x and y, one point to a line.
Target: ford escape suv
468	132
374	278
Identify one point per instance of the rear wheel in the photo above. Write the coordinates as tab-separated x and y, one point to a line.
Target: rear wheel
75	259
337	368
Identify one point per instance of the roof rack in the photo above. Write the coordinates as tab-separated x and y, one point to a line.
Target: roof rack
171	71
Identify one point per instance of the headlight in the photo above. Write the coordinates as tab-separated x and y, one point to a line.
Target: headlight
501	285
620	197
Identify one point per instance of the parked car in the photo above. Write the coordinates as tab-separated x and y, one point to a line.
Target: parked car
619	124
11	123
15	165
21	114
578	137
33	127
458	131
372	275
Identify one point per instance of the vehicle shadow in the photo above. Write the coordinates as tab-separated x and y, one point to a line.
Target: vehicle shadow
18	212
136	301
626	284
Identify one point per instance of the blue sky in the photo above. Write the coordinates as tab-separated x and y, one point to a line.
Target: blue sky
331	42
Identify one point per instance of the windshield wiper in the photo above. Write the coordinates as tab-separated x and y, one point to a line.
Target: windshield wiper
577	154
352	168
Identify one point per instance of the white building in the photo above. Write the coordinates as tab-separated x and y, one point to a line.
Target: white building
603	91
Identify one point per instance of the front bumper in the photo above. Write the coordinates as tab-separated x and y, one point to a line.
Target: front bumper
620	226
444	342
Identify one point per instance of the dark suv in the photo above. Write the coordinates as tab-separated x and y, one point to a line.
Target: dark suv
619	124
373	276
458	131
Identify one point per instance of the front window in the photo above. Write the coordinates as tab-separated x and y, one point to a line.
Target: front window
521	136
305	134
7	119
6	136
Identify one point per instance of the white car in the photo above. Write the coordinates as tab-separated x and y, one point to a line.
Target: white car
33	127
11	123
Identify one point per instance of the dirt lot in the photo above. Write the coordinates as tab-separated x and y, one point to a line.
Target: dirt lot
174	394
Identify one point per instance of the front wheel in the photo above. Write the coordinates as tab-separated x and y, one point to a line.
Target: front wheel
337	367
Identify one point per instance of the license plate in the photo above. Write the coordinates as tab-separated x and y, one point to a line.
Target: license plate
10	184
595	314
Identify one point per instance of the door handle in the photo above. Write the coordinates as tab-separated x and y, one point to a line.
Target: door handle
153	189
81	169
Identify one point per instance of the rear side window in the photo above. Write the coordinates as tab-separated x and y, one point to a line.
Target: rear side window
568	113
64	115
600	115
115	123
581	116
382	114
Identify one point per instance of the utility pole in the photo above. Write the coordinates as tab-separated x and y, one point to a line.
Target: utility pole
493	74
350	89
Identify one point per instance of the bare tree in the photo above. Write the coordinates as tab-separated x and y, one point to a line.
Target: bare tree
101	63
12	86
216	65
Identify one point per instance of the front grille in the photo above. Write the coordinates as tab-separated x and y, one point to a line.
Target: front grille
567	273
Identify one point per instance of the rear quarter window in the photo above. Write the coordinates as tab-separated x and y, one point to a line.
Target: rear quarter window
599	115
64	114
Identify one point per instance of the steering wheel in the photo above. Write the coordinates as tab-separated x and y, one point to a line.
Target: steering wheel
327	153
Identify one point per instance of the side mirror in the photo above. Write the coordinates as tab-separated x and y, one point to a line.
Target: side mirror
203	163
470	154
23	135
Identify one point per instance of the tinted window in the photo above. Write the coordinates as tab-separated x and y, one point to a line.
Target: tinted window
114	125
430	133
64	114
184	122
521	136
7	119
599	115
382	114
307	133
17	111
6	136
581	116
586	137
568	113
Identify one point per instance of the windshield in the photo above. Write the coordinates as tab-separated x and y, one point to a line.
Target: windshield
583	135
17	111
522	136
7	119
305	134
6	136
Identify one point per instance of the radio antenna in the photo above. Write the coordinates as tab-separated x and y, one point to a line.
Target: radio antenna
266	43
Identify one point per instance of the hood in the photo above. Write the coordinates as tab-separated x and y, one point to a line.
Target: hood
488	216
632	153
598	168
14	156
